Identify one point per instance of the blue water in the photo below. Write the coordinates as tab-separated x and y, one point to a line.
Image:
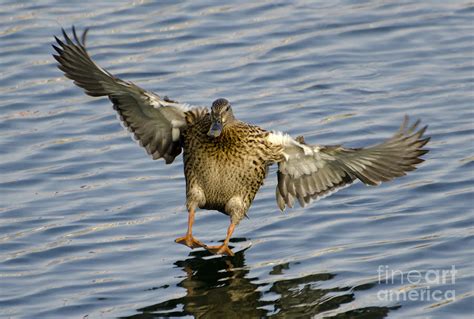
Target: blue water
87	220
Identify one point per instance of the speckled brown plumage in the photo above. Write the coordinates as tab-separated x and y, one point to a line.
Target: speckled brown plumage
226	160
230	167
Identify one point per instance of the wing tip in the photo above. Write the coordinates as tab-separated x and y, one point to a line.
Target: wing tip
68	42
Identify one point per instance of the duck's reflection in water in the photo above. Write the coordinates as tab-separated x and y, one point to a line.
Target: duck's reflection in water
222	288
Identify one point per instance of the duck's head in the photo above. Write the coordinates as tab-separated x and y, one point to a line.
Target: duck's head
221	115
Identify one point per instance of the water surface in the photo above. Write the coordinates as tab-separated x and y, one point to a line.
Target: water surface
87	220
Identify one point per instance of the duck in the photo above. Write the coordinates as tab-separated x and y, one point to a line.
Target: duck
226	160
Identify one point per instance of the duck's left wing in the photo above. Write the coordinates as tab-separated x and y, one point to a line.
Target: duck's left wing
310	172
156	123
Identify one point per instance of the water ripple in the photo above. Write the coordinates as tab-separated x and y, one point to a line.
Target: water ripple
87	220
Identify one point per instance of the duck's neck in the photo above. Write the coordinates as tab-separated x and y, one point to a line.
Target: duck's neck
230	134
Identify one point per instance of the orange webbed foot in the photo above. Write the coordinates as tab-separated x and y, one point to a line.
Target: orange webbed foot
220	250
190	241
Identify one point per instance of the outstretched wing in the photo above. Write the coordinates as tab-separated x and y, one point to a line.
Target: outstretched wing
156	123
311	172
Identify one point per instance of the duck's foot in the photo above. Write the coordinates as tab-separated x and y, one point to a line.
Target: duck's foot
220	250
190	241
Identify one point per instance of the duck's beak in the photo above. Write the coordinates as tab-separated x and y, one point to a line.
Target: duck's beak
216	128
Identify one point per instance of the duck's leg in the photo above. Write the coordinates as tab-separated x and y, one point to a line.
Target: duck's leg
224	248
189	239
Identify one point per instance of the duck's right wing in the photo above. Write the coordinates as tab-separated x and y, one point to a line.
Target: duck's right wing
156	123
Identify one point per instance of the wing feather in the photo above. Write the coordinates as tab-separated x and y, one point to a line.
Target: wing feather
311	172
154	122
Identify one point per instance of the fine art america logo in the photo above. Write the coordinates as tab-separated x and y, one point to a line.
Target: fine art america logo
418	286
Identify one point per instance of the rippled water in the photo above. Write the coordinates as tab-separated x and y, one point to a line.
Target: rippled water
87	220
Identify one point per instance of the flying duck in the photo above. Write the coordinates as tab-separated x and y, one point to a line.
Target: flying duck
226	160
